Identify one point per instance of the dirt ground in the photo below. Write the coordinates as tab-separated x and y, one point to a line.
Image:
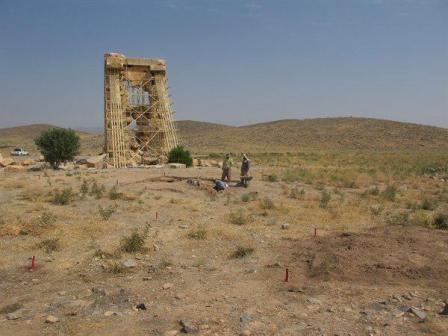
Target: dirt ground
215	261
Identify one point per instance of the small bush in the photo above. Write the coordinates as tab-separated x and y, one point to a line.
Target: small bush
441	221
114	194
46	219
325	199
133	243
401	218
272	178
199	234
390	193
164	263
246	198
106	213
239	217
267	203
84	189
428	204
11	308
296	193
180	155
116	268
63	197
242	252
49	245
97	190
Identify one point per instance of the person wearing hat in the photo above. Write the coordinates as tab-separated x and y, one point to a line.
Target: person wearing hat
227	168
245	166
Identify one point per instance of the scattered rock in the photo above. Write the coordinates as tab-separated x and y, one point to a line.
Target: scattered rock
245	333
183	226
99	291
51	319
110	313
314	301
6	162
171	333
141	306
15	168
167	285
147	278
245	318
417	312
445	310
62	293
285	226
295	290
129	263
14	316
177	165
188	327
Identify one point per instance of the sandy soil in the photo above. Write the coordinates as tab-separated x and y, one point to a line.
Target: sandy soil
356	277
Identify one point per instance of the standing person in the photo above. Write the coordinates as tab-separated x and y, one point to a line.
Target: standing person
227	168
245	166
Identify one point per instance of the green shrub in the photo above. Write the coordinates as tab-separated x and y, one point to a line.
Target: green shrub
428	204
49	245
296	193
242	252
63	197
199	234
106	213
46	219
272	178
84	189
58	145
180	155
239	217
97	190
114	194
441	221
246	198
267	203
390	193
325	199
133	243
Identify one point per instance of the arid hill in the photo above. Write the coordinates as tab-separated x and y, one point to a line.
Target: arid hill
323	133
275	136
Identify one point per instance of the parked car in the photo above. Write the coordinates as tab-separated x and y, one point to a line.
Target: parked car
19	152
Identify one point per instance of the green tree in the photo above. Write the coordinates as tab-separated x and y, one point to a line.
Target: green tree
58	145
180	155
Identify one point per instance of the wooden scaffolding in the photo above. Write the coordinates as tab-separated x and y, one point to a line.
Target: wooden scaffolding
138	118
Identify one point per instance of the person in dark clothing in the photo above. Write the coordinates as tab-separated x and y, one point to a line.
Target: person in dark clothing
245	166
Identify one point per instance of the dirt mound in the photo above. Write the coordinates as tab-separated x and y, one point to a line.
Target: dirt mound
391	254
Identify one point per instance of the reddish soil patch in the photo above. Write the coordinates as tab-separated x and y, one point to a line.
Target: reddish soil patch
387	254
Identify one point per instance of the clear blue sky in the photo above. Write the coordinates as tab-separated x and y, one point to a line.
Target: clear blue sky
233	62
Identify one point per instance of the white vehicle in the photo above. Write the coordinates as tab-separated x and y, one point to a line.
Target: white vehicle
19	152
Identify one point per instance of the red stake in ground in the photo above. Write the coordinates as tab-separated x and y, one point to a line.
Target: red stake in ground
33	260
286	275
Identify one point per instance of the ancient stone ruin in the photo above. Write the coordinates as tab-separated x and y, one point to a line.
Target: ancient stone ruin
138	118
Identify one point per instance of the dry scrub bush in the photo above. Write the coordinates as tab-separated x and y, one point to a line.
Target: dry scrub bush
106	213
63	197
36	194
198	234
50	245
133	243
241	252
267	203
239	217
